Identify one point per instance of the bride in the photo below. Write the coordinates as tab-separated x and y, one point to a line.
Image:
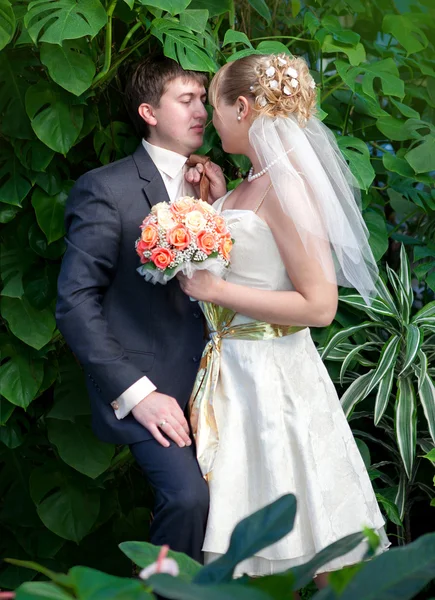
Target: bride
267	418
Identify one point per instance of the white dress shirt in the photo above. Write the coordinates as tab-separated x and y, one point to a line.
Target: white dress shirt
171	167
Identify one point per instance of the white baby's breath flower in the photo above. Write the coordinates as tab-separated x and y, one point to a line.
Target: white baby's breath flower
262	101
294	83
274	84
270	72
282	61
312	84
286	91
291	72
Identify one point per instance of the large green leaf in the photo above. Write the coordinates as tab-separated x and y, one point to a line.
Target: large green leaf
20	378
41	590
6	408
7	23
261	529
399	130
15	180
15	78
377	227
406	32
236	37
356	54
214	7
90	584
78	446
196	20
358	155
39	245
114	142
355	393
34	327
40	285
70	394
33	154
180	44
64	504
344	334
262	9
426	394
174	7
422	158
69	65
414	340
50	212
143	554
406	422
377	305
53	21
427	312
175	589
384	70
14	262
353	355
55	119
399	573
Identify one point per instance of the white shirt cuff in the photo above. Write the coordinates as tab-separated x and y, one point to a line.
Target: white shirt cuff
132	396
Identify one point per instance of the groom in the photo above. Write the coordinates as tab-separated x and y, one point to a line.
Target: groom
140	344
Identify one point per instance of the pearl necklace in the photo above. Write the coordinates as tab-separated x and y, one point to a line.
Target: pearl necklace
251	175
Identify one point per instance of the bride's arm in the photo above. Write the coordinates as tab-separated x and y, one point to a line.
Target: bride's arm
314	301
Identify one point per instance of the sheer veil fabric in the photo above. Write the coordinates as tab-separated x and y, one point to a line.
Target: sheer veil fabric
317	190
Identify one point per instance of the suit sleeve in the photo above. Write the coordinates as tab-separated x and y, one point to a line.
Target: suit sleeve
93	233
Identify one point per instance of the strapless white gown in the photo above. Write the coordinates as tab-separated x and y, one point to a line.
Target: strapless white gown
282	429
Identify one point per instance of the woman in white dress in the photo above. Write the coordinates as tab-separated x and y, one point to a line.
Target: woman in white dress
273	423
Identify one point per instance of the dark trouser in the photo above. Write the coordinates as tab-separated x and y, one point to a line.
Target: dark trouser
181	496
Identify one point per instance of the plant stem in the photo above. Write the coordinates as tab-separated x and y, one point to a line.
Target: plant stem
108	45
129	36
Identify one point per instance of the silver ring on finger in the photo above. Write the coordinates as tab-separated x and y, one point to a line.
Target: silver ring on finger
162	423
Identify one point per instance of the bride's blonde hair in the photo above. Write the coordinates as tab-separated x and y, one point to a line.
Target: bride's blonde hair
278	85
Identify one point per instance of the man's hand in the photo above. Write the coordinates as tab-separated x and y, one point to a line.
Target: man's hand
160	412
213	172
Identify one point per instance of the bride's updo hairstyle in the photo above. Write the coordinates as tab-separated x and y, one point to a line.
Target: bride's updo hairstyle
278	85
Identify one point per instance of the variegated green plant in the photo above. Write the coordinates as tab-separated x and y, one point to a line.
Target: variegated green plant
404	372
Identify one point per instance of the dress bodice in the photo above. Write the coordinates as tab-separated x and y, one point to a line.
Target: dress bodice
255	258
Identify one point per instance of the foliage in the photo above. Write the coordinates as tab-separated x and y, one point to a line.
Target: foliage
399	573
61	77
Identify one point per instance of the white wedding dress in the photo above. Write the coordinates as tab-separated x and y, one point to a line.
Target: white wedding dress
282	429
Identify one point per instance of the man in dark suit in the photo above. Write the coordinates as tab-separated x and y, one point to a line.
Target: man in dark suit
139	343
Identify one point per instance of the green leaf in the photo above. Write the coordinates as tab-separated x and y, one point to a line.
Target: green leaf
21	378
426	393
397	165
261	529
196	20
402	294
114	142
273	47
358	155
406	110
378	239
351	356
399	573
377	305
386	296
40	285
32	326
55	119
174	7
14	262
355	393
262	9
406	32
78	446
63	503
387	360
15	78
171	587
33	154
422	158
50	212
236	37
344	334
356	54
69	66
53	21
90	584
33	590
214	7
15	181
70	394
182	45
7	23
390	508
6	408
383	394
384	70
427	312
39	245
399	130
414	340
406	422
29	564
143	554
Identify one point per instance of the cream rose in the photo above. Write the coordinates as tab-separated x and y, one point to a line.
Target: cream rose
205	208
195	221
182	205
165	218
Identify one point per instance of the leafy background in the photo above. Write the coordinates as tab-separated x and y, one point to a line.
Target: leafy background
66	498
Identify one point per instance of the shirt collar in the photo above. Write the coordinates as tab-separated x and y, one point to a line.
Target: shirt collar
167	161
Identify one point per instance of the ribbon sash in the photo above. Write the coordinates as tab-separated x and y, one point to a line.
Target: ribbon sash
202	416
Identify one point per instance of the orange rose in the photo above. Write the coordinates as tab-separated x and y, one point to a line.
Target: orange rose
140	248
149	236
221	226
225	247
178	237
182	206
162	257
206	241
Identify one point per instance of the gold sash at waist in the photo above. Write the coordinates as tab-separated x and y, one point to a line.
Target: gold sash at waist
201	409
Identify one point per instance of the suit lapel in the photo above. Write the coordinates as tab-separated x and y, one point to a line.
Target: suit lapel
153	186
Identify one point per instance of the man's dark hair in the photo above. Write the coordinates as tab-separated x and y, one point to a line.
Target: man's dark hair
147	84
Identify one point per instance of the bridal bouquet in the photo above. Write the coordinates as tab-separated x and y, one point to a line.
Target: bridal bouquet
185	235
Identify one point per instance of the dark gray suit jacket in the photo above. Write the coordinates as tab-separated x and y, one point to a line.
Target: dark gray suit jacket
118	326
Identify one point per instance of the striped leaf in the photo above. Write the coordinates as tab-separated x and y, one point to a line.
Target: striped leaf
384	293
352	355
428	311
377	306
405	275
400	499
406	422
402	295
414	340
426	394
387	361
344	334
355	393
383	395
423	366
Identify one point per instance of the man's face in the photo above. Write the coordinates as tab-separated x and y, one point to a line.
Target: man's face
180	118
